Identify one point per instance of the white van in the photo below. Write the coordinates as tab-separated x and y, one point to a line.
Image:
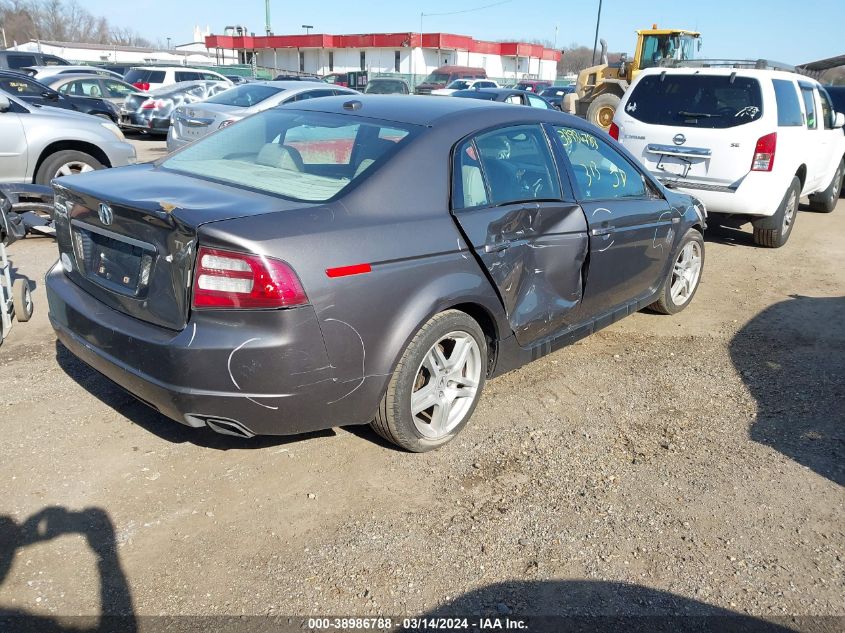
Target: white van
747	142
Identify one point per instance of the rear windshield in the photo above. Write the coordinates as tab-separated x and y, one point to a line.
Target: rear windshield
707	101
459	84
245	95
306	156
142	75
376	87
476	94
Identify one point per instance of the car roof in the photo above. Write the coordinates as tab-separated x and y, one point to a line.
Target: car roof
75	76
188	68
411	110
494	91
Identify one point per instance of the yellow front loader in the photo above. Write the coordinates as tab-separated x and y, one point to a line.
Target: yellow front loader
599	89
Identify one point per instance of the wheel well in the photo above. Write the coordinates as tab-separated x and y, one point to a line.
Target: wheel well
802	175
488	326
79	146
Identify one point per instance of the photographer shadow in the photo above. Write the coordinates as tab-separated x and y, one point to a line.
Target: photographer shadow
50	523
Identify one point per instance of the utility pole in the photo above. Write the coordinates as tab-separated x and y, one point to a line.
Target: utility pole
596	40
267	26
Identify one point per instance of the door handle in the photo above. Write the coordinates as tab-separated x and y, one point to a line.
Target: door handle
497	247
604	230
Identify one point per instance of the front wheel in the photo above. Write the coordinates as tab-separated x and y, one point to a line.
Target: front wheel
825	201
22	300
680	284
65	163
436	385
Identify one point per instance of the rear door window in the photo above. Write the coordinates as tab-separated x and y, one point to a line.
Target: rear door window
789	109
601	172
537	102
183	75
809	106
705	101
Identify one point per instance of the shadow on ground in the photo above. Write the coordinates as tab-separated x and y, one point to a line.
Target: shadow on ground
583	605
96	527
139	413
791	357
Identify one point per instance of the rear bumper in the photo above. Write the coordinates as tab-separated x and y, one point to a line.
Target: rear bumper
174	141
266	370
133	121
757	194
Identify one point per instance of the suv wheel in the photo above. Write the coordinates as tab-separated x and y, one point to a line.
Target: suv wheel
773	232
436	385
65	163
825	201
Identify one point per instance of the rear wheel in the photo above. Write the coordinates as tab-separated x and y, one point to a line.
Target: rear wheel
436	385
65	163
601	110
680	284
825	201
773	232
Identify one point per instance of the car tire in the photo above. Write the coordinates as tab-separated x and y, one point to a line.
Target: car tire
22	300
825	201
774	231
683	279
601	110
450	346
75	162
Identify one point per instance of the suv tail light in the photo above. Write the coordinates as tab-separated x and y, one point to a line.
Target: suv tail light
764	153
142	85
614	131
226	279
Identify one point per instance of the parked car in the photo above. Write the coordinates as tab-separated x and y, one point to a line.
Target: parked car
39	143
91	86
239	79
338	79
533	85
28	89
464	84
15	60
386	86
45	74
555	94
292	77
194	120
153	77
748	142
240	286
516	97
151	111
445	75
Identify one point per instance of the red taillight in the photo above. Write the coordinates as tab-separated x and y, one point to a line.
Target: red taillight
614	131
152	104
141	85
764	153
226	279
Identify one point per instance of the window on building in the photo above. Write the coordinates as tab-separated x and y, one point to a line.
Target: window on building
397	58
363	60
331	61
302	61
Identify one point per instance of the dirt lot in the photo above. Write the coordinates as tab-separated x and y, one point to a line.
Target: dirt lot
688	464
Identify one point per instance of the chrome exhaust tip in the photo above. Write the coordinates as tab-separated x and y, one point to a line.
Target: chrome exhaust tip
224	426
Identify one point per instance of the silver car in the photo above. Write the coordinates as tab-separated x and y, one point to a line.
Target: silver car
193	121
39	143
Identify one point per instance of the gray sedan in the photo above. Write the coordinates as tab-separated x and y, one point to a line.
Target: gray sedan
374	259
193	121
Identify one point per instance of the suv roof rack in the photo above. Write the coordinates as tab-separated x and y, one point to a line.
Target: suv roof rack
757	64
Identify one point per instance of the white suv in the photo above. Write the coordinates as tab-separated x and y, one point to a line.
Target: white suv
146	78
747	142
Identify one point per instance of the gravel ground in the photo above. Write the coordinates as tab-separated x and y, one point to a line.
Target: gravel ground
684	465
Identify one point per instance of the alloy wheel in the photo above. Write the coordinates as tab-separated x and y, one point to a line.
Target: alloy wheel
446	385
73	167
789	212
685	273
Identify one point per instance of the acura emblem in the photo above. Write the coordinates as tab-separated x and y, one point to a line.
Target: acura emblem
105	214
679	139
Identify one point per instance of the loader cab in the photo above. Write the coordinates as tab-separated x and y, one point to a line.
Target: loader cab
656	45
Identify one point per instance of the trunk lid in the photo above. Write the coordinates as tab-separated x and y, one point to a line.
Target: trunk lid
193	121
133	246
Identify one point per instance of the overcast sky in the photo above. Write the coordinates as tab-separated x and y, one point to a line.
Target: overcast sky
782	30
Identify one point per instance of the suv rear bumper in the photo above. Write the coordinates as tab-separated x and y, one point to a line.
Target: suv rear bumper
266	370
756	194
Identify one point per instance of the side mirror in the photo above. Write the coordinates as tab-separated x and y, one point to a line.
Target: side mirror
5	104
838	120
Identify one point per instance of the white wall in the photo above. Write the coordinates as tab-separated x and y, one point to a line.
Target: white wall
417	61
115	55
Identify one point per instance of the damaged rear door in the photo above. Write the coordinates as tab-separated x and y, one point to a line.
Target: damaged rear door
524	227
